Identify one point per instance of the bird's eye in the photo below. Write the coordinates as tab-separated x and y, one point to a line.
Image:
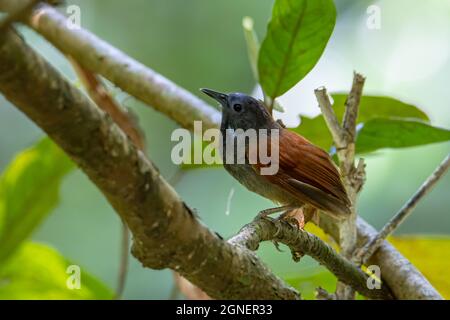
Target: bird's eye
237	107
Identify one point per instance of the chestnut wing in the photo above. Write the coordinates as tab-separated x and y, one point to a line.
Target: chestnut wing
308	173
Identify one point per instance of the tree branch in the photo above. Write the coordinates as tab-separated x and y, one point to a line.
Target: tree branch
352	105
133	77
405	281
367	251
403	278
19	12
353	177
330	117
349	121
166	232
302	242
98	92
344	139
123	262
322	294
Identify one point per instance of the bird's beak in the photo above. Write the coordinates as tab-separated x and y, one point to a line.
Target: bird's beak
222	98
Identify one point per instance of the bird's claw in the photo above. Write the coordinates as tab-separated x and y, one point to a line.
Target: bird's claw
263	216
277	245
294	218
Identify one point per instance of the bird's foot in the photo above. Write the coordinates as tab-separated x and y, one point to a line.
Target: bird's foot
266	212
294	217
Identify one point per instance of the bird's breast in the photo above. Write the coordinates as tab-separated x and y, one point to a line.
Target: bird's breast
247	176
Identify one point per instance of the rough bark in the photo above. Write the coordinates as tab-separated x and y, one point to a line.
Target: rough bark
166	232
301	242
405	281
180	105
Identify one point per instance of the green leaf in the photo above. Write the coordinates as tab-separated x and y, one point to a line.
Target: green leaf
252	42
306	284
36	271
252	50
315	130
296	37
430	256
29	191
393	133
378	107
371	107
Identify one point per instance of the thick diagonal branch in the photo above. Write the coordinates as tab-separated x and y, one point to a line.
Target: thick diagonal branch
98	92
166	232
402	277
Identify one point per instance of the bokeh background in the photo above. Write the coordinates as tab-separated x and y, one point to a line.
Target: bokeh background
200	43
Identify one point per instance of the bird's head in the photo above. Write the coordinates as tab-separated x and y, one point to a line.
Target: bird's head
240	111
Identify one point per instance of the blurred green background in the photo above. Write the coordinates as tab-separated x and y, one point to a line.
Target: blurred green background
199	43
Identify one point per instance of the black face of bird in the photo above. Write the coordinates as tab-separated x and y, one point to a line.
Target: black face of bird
240	111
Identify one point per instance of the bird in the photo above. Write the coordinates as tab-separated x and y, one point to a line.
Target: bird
306	178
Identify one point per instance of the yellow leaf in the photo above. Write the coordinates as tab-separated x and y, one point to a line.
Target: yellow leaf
430	255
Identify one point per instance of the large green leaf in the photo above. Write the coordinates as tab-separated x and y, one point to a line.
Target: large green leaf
251	39
315	130
371	107
36	271
253	50
430	256
296	38
393	133
29	191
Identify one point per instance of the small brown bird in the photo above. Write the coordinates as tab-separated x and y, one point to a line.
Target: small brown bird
306	174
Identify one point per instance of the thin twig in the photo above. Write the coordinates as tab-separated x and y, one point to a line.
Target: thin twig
344	139
369	249
339	137
330	117
124	261
322	294
353	180
303	242
130	75
100	95
352	105
349	125
359	176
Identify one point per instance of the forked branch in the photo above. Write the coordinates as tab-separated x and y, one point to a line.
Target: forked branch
142	187
344	140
